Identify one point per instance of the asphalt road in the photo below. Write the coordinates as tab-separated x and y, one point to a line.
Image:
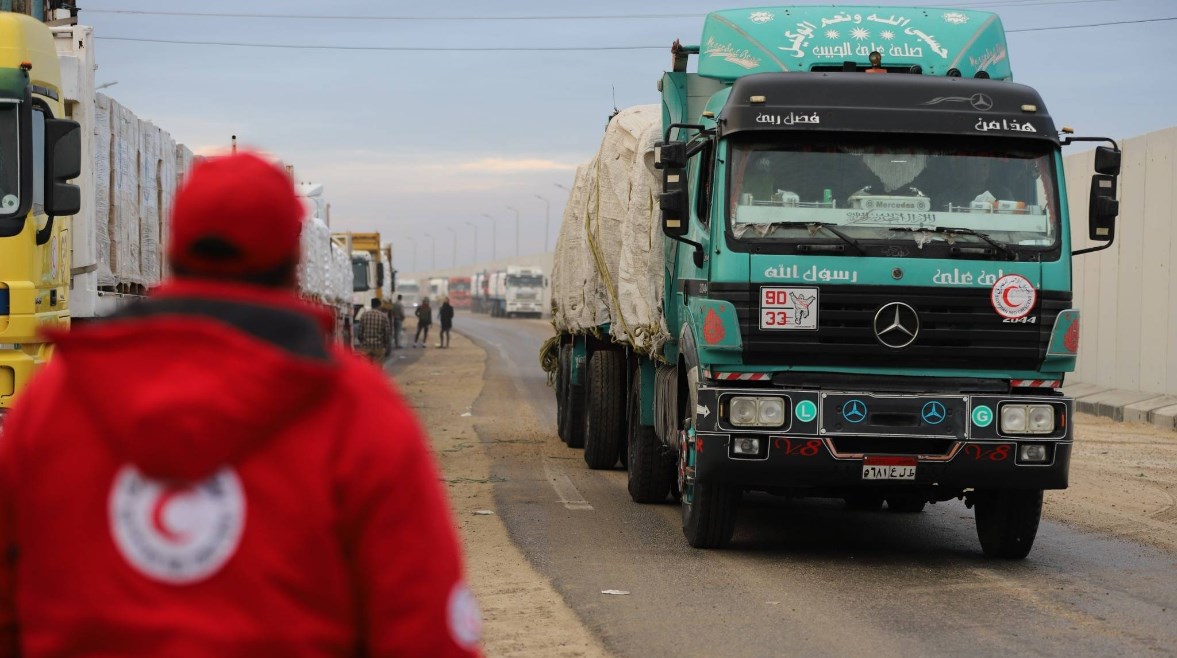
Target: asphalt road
807	577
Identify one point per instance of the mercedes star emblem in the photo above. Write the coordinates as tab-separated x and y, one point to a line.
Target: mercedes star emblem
933	412
896	325
854	411
981	102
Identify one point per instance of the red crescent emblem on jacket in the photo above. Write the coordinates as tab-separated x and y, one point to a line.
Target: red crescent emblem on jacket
158	520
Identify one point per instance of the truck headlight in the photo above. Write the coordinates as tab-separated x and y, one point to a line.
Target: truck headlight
1027	418
1033	453
756	412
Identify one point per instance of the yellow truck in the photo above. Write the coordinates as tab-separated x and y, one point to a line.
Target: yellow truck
39	152
371	264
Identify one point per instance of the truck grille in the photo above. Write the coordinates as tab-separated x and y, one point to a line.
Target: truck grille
958	329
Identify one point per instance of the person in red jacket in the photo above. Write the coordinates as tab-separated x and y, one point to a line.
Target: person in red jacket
206	474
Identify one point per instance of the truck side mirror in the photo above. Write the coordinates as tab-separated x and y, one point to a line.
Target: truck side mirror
674	203
670	155
1103	207
1107	161
63	161
379	274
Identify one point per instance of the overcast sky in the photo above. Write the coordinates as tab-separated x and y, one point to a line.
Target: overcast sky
422	141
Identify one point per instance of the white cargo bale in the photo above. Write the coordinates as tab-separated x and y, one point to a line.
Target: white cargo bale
577	288
167	184
125	236
341	275
103	192
641	270
149	202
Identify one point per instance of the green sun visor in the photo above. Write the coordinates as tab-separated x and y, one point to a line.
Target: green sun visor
940	42
14	84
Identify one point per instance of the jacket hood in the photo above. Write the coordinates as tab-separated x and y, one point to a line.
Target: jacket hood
199	375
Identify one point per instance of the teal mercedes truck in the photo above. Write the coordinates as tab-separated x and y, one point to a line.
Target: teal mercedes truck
864	280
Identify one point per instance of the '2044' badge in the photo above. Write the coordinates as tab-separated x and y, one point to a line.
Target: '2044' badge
1013	296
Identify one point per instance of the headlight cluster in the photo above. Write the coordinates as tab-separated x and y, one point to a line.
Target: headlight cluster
756	412
1027	418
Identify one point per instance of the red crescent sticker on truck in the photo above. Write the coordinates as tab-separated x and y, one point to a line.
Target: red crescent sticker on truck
1013	296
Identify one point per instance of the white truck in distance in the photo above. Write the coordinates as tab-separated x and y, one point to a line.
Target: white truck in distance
517	291
410	293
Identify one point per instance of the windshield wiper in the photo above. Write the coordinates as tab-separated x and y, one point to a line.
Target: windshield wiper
950	231
832	228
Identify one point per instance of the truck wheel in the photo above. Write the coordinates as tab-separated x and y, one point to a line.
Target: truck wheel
574	395
650	471
906	503
708	508
604	420
1007	522
562	391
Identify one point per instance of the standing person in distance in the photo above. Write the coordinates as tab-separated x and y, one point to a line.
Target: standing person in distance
251	490
424	320
375	333
446	315
398	320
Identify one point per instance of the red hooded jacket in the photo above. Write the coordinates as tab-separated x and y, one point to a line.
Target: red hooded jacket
204	475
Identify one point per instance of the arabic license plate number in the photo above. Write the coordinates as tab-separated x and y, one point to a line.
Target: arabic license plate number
888	472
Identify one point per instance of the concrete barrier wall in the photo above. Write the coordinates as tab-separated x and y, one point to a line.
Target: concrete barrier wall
1128	294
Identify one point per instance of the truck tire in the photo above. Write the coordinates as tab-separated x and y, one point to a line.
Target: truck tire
604	418
564	361
906	503
573	420
650	470
1007	522
708	508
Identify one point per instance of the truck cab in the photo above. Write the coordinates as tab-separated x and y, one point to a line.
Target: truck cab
39	152
522	292
868	268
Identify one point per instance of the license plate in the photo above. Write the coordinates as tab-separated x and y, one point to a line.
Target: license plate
888	472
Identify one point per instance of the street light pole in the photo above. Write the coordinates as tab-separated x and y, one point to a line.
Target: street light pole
494	240
516	230
433	255
547	221
474	251
454	262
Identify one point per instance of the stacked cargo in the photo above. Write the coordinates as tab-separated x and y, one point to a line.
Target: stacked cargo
609	265
325	272
137	169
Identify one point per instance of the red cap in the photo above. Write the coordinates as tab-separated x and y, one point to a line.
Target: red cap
235	215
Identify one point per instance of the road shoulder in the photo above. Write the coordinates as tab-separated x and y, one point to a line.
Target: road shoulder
524	615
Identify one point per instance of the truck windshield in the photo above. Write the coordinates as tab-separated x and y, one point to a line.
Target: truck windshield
9	160
788	192
524	280
359	273
459	286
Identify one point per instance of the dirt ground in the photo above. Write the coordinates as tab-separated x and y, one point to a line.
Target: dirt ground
1123	483
523	614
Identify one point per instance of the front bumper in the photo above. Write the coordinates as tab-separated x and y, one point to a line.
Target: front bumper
952	439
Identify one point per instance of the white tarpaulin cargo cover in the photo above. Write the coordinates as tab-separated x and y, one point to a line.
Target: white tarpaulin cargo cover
608	265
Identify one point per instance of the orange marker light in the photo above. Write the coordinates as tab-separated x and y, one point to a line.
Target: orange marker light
28	66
